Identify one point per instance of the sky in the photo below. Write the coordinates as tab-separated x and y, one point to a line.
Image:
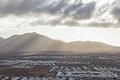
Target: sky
67	20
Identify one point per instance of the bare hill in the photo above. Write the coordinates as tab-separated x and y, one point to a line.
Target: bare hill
33	42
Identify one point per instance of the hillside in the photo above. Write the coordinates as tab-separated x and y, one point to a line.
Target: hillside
33	42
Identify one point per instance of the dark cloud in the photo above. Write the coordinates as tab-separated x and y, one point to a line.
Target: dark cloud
85	11
21	7
76	12
72	8
116	13
18	7
52	8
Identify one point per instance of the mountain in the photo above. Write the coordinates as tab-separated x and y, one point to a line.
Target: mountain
88	47
33	43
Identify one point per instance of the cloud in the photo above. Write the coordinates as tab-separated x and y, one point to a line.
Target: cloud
116	13
56	22
85	11
20	7
75	11
104	25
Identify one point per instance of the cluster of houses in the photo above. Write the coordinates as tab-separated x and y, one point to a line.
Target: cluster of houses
67	77
84	73
88	69
53	57
73	75
32	63
87	75
73	57
27	78
26	63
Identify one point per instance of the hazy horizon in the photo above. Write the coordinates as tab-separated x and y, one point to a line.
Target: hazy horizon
66	41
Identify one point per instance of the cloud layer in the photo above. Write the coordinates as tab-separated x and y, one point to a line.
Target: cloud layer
64	12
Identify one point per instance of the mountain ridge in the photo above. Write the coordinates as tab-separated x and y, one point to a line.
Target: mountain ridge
34	42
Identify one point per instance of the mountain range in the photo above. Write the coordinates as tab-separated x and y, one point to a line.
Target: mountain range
33	43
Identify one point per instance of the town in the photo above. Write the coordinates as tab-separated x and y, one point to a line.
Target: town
61	67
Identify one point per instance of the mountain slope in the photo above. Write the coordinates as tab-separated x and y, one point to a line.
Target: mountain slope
33	42
88	46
